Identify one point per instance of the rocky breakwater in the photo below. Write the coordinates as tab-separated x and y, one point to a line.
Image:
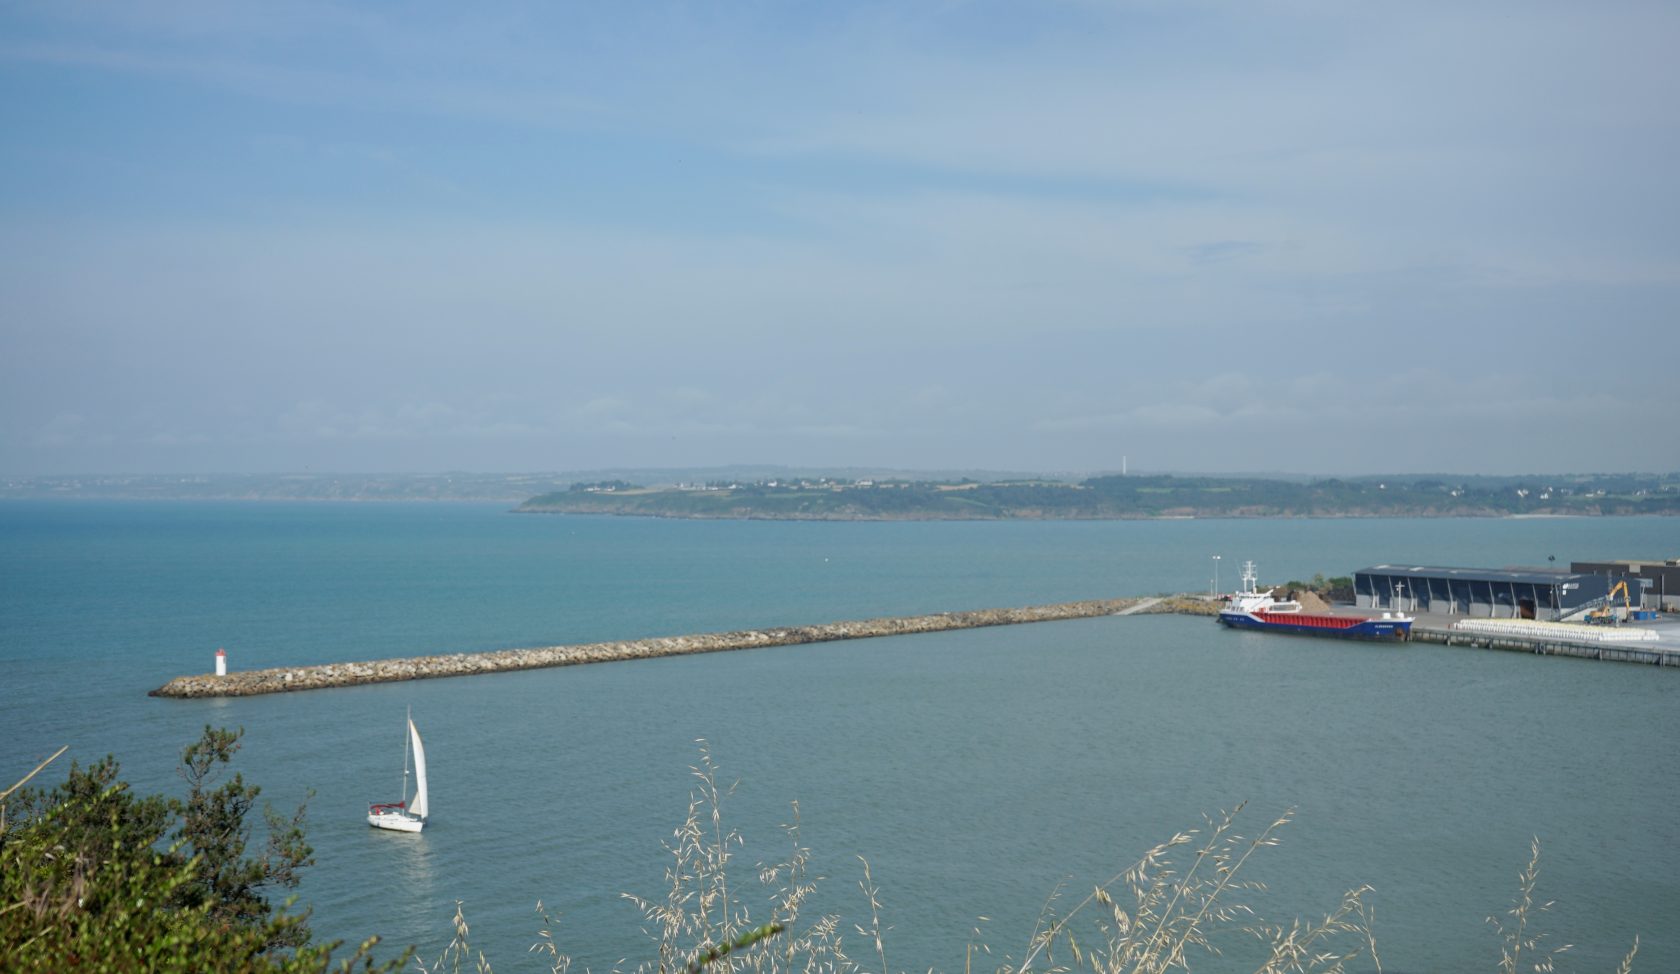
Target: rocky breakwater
289	678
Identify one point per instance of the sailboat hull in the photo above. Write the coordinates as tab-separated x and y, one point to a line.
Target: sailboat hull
406	815
396	821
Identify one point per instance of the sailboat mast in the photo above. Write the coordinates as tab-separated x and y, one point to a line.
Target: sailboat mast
406	723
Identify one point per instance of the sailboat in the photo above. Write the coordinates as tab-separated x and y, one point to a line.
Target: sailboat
405	815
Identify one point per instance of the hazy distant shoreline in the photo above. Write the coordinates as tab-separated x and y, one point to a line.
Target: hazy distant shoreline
1155	497
1318	516
777	494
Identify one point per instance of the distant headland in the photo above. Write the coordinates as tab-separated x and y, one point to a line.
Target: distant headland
1121	497
856	494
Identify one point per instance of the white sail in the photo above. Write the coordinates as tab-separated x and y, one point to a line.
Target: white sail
418	805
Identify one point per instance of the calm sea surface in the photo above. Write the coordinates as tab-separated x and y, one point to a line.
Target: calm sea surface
973	770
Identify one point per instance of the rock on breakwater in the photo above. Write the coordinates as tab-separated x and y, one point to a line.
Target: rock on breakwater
290	678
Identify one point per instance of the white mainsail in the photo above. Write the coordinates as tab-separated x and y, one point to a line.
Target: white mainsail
418	805
406	815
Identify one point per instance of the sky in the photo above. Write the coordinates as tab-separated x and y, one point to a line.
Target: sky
1271	235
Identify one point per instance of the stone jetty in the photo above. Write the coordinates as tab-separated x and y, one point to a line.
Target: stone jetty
290	678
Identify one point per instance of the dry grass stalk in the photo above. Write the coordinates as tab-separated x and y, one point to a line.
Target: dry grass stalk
24	781
558	963
1181	899
700	923
1517	939
873	894
1177	910
458	951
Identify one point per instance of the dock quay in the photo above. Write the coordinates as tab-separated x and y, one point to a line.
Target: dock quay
1651	652
289	679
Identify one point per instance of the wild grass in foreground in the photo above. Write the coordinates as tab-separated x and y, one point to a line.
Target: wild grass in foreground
1183	904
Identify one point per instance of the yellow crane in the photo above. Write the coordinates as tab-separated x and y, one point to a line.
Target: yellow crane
1606	613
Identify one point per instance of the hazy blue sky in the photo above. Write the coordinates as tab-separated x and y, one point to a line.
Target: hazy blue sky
1319	237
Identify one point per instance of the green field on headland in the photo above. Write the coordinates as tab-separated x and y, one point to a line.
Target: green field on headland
1125	497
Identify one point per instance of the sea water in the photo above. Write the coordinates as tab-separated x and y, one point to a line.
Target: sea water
977	771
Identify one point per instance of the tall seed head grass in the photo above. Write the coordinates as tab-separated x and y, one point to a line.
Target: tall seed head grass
1184	901
1177	901
700	923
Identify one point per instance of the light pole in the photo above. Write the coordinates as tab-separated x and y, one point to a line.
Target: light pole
1216	576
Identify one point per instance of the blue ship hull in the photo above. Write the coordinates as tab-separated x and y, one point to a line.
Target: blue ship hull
1314	625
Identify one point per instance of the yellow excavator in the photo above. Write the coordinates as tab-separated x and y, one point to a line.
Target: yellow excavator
1605	615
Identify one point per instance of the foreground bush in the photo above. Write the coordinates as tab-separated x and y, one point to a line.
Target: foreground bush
95	878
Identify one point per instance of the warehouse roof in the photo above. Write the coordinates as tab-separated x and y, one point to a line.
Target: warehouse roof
1535	576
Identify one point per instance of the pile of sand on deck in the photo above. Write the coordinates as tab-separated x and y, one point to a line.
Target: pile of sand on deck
1310	601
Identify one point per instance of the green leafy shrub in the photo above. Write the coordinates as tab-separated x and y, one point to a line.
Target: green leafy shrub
96	878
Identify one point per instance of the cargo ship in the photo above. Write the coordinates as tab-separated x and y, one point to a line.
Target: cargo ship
1254	609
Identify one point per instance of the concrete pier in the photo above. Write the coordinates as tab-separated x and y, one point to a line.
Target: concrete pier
291	678
321	676
1651	653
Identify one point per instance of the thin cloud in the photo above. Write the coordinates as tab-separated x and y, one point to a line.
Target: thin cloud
1010	236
